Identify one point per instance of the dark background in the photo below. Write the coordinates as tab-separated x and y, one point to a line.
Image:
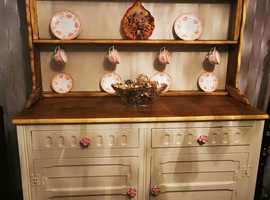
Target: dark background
15	77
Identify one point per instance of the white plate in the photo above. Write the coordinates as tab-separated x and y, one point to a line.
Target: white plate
62	83
107	80
162	78
208	82
188	27
65	25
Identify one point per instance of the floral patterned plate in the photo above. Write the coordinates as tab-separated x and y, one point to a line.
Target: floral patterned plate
107	80
62	83
208	82
188	27
65	25
162	78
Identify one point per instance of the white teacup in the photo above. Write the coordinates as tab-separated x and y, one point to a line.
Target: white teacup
60	56
213	56
113	56
164	56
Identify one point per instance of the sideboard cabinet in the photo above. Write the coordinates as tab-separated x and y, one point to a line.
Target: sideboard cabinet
155	160
88	145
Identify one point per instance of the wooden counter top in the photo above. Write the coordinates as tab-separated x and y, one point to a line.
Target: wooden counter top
110	109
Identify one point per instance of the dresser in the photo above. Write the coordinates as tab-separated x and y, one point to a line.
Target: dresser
134	154
89	145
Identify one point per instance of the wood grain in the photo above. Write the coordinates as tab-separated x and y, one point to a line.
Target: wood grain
237	95
111	109
104	94
136	42
236	19
34	20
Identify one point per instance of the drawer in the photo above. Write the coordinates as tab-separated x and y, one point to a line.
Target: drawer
84	178
70	139
184	137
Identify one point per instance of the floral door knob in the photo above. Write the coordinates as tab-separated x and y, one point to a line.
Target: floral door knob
85	142
132	192
202	139
155	190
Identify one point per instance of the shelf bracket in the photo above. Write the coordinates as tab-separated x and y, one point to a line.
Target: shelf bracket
237	95
34	97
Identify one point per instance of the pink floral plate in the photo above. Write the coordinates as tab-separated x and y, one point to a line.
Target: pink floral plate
208	82
162	78
65	25
62	83
188	27
107	80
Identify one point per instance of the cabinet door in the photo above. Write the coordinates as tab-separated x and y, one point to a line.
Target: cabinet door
84	178
177	176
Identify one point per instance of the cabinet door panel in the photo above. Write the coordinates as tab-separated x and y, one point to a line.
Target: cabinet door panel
196	195
85	178
194	176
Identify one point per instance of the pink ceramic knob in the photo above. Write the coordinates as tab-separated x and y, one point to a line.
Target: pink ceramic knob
155	190
85	142
202	139
132	192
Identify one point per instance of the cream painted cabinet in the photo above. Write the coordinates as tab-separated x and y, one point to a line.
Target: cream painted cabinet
151	161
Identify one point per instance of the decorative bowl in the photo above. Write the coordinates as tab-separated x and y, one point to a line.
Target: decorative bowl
139	92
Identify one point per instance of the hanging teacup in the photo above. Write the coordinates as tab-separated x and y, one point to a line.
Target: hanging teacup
164	56
113	56
60	56
213	56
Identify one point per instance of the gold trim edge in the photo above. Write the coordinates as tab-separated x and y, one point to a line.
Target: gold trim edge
137	119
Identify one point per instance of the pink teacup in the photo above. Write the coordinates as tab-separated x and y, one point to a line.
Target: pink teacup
213	56
113	56
164	56
60	56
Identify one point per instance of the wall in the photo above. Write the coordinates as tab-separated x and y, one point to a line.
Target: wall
15	71
255	67
14	81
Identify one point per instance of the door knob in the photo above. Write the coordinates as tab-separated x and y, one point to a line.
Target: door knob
132	192
85	142
155	190
202	139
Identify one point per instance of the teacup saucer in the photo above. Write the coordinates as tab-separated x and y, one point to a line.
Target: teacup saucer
107	80
208	82
62	83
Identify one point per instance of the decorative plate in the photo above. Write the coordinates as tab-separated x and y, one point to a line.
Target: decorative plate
137	23
62	83
107	80
208	82
162	78
188	27
65	25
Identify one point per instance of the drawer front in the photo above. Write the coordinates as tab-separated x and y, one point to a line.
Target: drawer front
198	176
70	139
187	137
84	178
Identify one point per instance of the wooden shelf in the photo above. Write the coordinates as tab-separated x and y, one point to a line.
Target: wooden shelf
103	94
136	42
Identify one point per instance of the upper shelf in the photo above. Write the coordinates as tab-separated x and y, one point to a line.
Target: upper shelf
125	42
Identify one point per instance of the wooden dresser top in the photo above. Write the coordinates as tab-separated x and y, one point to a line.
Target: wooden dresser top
70	110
